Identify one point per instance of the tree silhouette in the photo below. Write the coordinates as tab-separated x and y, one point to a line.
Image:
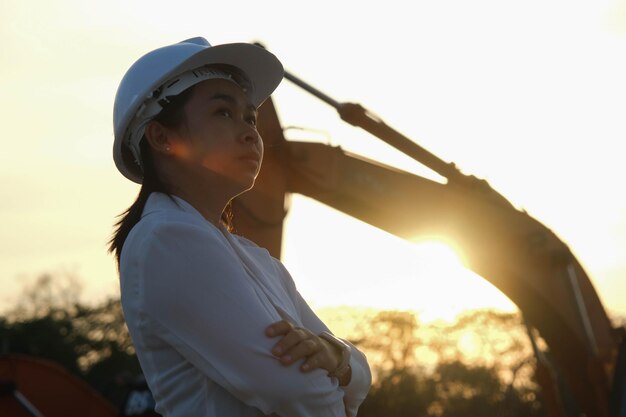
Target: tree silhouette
496	379
89	341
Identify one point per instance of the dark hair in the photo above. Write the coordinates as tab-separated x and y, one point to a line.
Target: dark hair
172	116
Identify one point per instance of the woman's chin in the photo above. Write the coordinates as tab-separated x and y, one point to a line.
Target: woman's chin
245	188
241	185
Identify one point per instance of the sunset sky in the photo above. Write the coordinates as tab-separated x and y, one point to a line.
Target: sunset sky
530	96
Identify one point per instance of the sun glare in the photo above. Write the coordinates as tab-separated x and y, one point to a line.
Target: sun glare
441	252
446	286
367	267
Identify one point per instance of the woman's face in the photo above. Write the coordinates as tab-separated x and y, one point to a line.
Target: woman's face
219	143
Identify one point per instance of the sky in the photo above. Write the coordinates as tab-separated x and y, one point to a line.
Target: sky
528	95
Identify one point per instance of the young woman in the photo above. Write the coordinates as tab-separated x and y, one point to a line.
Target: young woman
217	323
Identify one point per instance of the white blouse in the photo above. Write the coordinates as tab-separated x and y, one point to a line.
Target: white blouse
197	300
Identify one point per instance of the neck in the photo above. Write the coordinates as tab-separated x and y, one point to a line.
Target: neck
205	202
206	194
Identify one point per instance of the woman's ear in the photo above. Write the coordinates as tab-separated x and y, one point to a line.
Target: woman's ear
158	137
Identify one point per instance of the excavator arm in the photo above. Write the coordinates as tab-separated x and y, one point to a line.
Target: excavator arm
509	248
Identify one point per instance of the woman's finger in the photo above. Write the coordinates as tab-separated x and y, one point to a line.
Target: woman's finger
292	338
279	328
302	349
317	360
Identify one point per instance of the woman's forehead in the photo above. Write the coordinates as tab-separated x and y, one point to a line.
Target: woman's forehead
220	88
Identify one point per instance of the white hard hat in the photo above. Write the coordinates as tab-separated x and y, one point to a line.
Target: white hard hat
262	69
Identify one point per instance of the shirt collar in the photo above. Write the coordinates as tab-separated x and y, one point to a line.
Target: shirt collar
158	201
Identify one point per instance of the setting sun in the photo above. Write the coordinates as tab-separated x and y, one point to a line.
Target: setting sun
426	276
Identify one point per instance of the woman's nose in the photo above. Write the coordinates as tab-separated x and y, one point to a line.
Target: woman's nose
250	136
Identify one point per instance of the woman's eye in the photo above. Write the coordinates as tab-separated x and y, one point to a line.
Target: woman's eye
224	112
252	120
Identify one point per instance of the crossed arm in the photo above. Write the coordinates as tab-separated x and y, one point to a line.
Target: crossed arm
221	324
298	343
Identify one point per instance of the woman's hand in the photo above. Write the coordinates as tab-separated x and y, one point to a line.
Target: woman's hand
299	343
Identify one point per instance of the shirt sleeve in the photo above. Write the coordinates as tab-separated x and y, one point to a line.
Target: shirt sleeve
361	381
197	291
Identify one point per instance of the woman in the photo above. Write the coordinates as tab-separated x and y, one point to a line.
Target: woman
217	323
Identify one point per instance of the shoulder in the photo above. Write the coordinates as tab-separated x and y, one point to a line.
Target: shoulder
177	255
173	236
175	233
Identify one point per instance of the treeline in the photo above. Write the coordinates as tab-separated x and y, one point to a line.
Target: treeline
481	365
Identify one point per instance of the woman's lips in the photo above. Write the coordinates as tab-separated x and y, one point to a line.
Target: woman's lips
252	157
